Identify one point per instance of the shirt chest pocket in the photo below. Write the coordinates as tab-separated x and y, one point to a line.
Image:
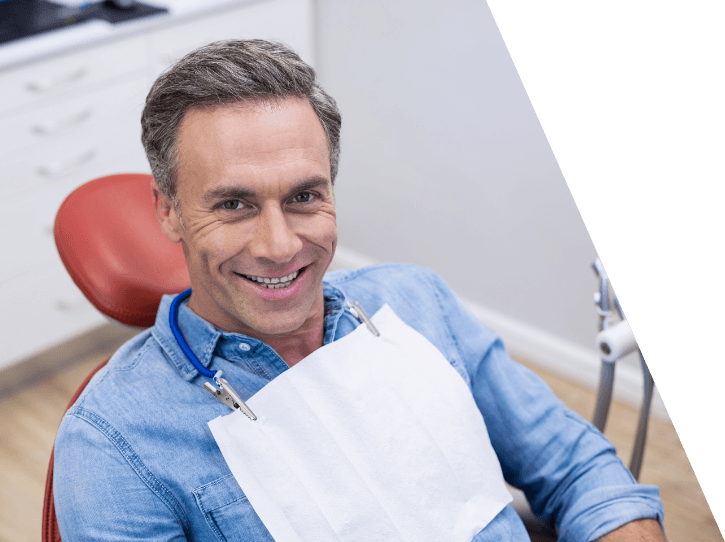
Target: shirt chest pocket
228	512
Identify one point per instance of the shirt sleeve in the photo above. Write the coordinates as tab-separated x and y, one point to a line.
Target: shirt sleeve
568	470
102	490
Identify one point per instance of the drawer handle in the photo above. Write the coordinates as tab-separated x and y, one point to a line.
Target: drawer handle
62	166
50	128
49	83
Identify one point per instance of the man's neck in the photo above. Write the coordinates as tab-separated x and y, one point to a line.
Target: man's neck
294	347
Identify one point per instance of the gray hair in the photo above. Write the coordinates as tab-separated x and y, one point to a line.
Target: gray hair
226	72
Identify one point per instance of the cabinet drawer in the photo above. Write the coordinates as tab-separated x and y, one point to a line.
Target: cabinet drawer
289	21
68	73
27	220
27	245
42	310
74	158
70	118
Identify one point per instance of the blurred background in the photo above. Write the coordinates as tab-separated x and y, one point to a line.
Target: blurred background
444	164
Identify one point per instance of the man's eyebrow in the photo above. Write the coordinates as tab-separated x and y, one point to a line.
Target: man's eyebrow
227	193
236	192
309	184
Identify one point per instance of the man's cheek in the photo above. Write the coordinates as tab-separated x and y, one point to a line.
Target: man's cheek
220	246
322	229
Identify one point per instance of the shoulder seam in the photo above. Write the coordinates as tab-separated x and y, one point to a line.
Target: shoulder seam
352	273
135	359
108	369
168	353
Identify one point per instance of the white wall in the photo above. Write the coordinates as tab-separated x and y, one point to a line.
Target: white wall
444	164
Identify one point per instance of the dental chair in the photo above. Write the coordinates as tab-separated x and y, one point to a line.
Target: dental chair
111	243
112	246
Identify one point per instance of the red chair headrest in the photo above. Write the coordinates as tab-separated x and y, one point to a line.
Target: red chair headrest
111	243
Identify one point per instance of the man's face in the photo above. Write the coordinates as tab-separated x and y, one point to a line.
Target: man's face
257	207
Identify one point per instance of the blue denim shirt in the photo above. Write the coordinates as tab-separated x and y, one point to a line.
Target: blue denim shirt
135	459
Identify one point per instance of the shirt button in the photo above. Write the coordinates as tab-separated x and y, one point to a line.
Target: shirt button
244	347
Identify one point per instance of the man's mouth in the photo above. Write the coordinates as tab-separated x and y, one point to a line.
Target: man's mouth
274	283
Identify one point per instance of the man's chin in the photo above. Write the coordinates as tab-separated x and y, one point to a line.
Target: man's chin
275	325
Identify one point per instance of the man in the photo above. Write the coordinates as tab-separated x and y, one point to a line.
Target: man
244	148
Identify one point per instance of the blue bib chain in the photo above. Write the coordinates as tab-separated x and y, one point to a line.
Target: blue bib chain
223	391
185	348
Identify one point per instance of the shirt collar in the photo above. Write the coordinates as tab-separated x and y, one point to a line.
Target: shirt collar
335	304
203	337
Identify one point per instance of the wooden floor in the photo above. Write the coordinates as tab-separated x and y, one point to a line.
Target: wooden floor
28	422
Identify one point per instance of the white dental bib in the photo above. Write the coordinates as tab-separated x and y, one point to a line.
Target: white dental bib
368	439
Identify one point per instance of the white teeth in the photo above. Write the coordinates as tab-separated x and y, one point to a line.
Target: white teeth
275	282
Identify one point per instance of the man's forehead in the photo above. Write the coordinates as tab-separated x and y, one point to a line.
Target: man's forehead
257	125
247	148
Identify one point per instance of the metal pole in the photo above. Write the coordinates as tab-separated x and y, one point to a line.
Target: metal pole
604	395
606	375
635	463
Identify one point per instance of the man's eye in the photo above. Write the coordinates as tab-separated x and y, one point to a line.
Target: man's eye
303	197
232	204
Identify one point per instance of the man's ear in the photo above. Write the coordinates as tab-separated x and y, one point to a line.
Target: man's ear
166	213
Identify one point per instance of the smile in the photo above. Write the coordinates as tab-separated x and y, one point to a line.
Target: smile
274	283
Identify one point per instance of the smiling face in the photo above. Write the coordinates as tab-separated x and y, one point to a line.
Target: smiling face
257	207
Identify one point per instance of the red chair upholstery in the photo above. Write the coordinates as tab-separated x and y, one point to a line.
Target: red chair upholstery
111	243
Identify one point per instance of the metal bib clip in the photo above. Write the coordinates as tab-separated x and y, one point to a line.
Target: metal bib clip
357	311
224	393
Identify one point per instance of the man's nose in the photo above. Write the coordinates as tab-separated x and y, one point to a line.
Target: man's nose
273	239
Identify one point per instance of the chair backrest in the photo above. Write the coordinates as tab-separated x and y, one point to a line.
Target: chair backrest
111	243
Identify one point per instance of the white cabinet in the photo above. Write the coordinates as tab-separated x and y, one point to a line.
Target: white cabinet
66	139
75	117
27	87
